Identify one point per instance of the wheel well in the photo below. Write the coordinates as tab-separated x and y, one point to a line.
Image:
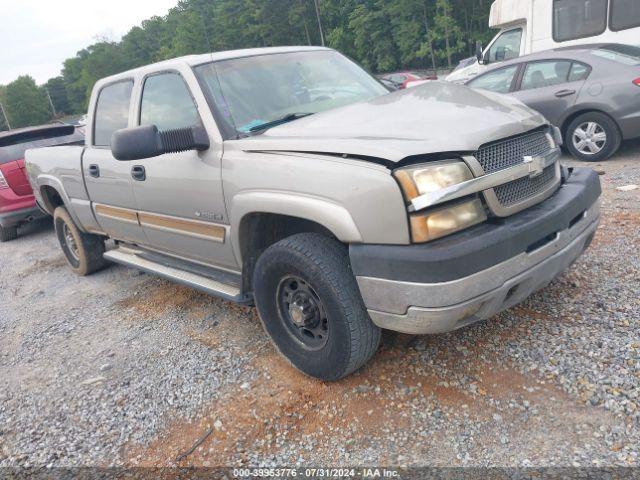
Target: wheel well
575	115
258	231
51	198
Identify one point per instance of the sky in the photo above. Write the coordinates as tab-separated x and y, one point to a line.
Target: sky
36	36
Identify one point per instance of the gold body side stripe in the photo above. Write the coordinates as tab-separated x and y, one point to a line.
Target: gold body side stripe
195	228
117	213
182	226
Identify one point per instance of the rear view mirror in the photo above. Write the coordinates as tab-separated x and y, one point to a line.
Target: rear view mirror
479	51
147	141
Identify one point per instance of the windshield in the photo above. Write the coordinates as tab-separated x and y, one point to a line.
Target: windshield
253	91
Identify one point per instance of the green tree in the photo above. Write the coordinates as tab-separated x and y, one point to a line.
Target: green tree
3	122
447	30
26	104
58	93
383	35
373	37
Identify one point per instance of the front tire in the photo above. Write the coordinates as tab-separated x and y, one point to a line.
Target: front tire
593	137
84	252
8	233
310	305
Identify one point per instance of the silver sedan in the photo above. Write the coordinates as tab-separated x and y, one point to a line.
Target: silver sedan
591	92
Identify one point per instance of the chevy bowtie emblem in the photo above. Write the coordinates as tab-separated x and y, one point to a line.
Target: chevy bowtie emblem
536	165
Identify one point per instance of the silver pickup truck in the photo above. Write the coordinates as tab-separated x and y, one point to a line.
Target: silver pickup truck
292	179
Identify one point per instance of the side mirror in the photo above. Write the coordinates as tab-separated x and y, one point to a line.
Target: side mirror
479	51
147	141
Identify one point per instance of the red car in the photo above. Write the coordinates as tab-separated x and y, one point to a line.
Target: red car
402	79
17	203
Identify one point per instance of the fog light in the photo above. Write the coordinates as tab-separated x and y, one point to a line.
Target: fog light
439	223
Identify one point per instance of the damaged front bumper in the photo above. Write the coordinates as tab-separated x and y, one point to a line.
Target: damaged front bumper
458	280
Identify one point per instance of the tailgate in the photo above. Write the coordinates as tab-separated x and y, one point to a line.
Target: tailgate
15	175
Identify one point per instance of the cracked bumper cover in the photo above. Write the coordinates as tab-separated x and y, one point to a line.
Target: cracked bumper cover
471	276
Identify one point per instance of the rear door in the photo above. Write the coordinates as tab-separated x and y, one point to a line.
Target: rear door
108	180
180	196
552	86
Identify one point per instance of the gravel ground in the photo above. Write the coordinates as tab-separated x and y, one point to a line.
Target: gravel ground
122	368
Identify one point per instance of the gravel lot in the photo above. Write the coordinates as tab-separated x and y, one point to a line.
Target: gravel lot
122	368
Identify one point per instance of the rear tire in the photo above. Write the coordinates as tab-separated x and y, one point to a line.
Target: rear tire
310	305
592	137
8	233
84	252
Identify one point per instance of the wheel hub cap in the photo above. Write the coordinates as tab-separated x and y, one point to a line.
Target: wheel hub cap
303	312
71	242
589	138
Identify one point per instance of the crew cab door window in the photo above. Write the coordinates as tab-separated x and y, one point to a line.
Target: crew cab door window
506	47
112	112
573	19
499	81
545	74
167	103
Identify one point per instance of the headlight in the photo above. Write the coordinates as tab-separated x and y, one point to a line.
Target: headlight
556	134
417	181
439	223
436	223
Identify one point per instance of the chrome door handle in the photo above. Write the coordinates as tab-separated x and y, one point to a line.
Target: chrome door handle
565	93
138	173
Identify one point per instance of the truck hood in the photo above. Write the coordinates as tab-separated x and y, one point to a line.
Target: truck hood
433	118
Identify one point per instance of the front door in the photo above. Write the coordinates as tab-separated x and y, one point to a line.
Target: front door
551	87
179	195
108	180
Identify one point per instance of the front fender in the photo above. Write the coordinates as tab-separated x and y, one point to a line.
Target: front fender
330	215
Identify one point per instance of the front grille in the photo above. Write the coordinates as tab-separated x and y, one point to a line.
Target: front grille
508	153
523	188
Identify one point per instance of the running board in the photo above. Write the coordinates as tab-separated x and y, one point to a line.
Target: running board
130	258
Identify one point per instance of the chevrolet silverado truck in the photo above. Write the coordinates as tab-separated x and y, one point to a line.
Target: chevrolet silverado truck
291	179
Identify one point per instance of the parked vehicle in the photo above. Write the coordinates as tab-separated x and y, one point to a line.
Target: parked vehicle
337	214
530	26
17	203
403	79
591	92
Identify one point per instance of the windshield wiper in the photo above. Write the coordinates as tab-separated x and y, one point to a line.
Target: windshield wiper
273	123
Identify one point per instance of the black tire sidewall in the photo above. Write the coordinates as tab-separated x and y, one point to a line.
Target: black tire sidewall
90	247
328	362
8	233
611	129
60	219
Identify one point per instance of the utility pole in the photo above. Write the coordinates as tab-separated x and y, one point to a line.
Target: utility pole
50	102
319	22
4	114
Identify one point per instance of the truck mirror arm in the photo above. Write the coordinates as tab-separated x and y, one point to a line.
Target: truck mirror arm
479	51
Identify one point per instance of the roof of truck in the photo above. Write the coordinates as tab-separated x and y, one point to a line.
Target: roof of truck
507	11
193	60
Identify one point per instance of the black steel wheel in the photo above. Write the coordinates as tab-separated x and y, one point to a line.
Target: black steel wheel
310	305
302	312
